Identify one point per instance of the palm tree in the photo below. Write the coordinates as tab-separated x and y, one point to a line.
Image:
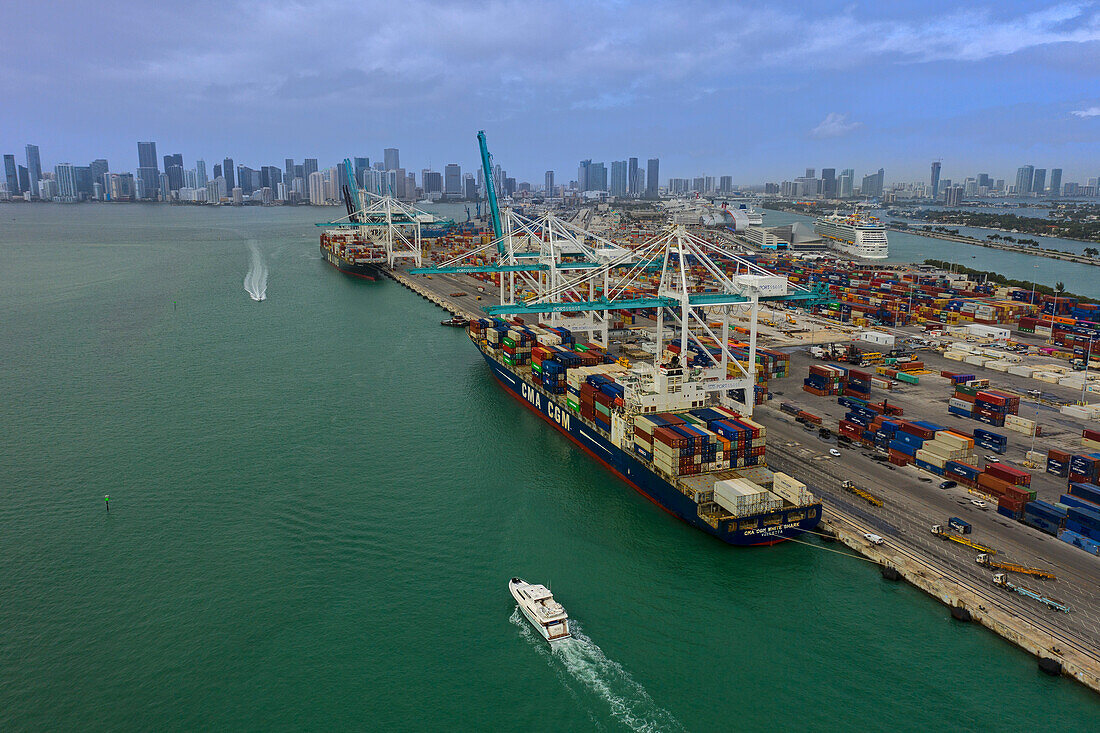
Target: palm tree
1059	288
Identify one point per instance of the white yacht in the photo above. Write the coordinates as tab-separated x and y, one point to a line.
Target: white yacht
855	234
538	605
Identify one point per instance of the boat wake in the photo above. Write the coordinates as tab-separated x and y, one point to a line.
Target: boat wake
255	282
579	659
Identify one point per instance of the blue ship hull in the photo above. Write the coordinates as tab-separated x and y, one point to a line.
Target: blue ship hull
762	529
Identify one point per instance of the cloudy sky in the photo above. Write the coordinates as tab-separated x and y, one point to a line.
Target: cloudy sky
757	90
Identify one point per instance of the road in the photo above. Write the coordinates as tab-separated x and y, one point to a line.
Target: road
912	506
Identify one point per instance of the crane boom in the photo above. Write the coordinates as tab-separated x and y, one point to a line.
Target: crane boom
490	190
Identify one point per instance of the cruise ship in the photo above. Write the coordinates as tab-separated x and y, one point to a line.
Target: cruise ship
854	234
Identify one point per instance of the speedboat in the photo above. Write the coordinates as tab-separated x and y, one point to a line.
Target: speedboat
538	605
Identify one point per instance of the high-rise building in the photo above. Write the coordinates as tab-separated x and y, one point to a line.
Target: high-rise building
452	175
392	158
632	177
99	170
935	179
244	180
148	171
651	173
582	175
173	168
317	188
618	178
952	195
65	176
549	184
431	181
11	175
288	169
34	168
828	183
309	167
597	177
469	184
873	184
270	177
361	164
85	186
984	181
699	185
1055	181
1024	177
24	178
1039	181
725	184
845	183
229	171
811	173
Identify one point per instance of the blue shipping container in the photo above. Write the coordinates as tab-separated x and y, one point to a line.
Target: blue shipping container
1088	492
1086	544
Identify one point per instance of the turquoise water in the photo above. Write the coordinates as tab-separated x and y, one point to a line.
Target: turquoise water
316	504
905	247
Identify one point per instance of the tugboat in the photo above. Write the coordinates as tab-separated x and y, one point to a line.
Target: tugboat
538	605
456	321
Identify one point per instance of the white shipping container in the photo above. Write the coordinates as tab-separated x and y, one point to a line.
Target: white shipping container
929	457
1021	371
976	360
955	355
1075	411
954	440
961	404
998	366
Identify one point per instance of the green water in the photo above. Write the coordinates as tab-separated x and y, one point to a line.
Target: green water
316	504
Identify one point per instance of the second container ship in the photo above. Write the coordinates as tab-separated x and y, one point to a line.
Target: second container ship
349	254
702	463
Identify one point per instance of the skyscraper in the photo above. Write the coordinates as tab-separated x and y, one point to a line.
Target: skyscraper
1039	181
470	186
288	170
392	158
309	167
632	177
618	178
1055	181
34	168
173	168
725	184
651	174
935	179
65	175
11	175
597	177
845	183
361	164
200	173
99	170
828	182
148	171
1024	176
228	171
549	183
582	175
452	175
218	170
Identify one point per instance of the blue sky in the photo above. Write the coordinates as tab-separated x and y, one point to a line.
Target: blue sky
757	90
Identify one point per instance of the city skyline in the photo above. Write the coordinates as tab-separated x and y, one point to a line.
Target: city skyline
919	84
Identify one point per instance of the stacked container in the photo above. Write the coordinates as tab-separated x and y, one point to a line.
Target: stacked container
1049	518
997	478
1084	468
858	384
741	497
946	446
991	441
824	380
1058	462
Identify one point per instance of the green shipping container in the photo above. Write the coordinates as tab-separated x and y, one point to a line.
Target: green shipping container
509	361
908	378
605	410
580	348
963	389
508	341
536	369
575	407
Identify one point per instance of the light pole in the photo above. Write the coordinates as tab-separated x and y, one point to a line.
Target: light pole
1088	357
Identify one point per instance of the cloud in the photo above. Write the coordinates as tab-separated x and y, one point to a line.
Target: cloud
1089	112
834	125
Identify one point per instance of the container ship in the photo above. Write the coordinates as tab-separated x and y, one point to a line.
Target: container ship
351	255
854	234
655	429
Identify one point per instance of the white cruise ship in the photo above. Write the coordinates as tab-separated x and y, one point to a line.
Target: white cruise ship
854	234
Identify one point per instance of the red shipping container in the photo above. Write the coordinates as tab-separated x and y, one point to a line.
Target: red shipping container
1091	434
1058	455
1009	474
